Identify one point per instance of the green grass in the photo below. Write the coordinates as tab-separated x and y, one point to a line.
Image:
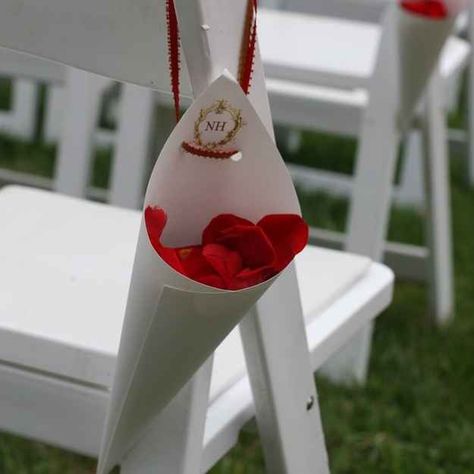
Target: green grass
416	413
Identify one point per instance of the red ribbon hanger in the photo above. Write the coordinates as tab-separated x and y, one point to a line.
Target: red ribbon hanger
247	55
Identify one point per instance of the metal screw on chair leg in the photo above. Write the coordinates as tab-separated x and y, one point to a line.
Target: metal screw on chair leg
310	403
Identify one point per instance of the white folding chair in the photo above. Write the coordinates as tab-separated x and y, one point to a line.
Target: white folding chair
66	267
336	82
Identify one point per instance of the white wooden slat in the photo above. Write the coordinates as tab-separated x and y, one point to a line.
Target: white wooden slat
81	109
316	108
54	111
299	54
131	158
52	410
294	56
126	41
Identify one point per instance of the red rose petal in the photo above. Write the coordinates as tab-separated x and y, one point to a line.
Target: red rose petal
288	228
231	243
192	262
220	224
155	221
251	277
435	9
288	234
254	247
227	263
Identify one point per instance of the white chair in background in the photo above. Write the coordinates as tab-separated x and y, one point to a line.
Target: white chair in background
66	268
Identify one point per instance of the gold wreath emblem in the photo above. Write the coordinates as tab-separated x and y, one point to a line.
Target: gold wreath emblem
219	107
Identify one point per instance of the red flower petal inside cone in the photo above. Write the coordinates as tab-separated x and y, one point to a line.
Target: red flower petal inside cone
155	221
435	9
235	253
288	234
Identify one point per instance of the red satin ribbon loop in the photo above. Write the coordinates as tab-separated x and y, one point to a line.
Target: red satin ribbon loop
247	55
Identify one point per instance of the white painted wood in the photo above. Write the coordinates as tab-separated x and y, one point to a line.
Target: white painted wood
293	57
408	262
411	189
286	401
126	42
79	120
136	126
438	225
55	99
54	410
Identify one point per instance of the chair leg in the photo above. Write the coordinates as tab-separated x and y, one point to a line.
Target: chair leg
282	381
350	364
173	443
438	222
372	192
410	191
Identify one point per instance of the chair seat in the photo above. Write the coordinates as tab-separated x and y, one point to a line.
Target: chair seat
64	275
313	49
65	266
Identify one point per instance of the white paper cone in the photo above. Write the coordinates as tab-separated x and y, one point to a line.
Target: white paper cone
420	41
173	324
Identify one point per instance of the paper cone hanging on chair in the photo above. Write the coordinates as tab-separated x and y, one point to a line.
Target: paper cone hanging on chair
172	323
421	36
